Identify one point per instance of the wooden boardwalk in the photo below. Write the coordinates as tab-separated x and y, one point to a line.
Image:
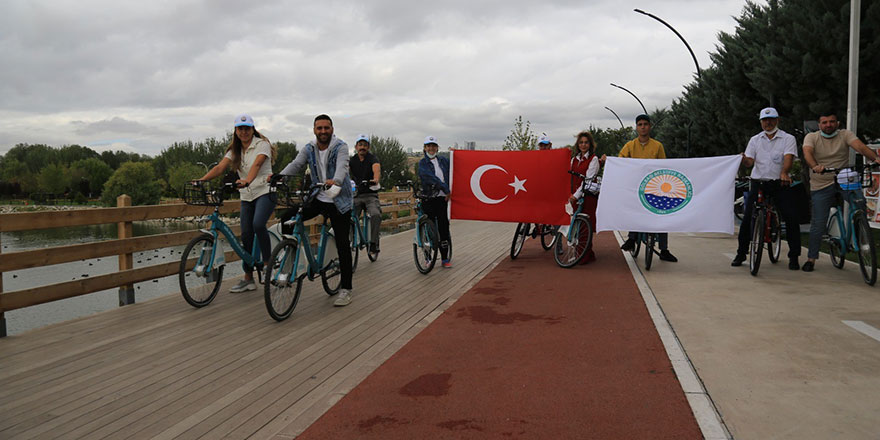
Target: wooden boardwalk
161	369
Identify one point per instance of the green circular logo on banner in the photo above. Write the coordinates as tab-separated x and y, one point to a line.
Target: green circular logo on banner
665	191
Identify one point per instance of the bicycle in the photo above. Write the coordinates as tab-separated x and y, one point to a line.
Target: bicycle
295	259
523	230
766	227
360	233
426	242
573	240
741	192
203	259
854	233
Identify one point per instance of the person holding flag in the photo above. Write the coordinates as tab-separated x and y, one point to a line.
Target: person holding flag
646	147
434	176
585	162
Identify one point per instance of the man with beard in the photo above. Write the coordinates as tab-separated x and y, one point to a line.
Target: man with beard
828	147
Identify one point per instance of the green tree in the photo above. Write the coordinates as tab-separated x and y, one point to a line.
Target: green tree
181	174
14	171
54	179
392	159
34	157
609	141
286	152
138	180
69	154
94	172
521	136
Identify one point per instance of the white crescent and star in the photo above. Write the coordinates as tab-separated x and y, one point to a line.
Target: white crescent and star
518	185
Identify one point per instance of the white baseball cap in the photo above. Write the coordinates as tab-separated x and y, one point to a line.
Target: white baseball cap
431	140
768	112
544	139
362	137
244	119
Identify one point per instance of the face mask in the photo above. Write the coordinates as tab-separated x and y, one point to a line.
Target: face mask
829	136
431	156
771	132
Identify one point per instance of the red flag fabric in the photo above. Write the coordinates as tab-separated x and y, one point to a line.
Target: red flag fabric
511	186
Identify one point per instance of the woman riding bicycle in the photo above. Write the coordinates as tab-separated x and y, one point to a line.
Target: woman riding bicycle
585	162
434	174
251	155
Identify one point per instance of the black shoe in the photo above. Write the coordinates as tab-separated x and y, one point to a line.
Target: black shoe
666	256
374	248
738	260
793	264
628	245
807	267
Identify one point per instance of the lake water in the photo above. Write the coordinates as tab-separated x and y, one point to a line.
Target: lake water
21	320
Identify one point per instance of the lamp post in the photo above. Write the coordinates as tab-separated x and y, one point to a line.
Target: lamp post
633	95
676	33
615	115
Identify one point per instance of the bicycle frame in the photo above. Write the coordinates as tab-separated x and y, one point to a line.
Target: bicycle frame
362	237
847	237
420	215
219	227
313	265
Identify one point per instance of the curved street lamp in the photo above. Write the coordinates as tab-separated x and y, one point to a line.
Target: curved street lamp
633	95
676	33
615	115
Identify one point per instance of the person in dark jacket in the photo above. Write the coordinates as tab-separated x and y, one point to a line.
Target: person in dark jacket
434	175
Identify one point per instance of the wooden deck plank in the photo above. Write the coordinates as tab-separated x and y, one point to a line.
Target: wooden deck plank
162	369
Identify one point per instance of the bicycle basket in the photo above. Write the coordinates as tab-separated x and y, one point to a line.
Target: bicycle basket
202	194
287	196
849	179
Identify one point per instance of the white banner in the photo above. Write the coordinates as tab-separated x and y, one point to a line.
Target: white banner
668	195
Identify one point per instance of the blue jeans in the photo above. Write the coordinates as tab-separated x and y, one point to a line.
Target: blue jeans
254	216
823	200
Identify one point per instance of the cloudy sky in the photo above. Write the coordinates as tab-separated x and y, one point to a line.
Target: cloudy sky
139	75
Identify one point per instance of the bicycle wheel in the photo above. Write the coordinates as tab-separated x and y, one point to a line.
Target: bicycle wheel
568	253
282	286
355	243
331	273
774	244
838	253
867	253
649	250
519	238
199	285
757	244
425	255
548	236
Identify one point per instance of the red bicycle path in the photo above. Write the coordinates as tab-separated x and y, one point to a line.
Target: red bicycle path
531	351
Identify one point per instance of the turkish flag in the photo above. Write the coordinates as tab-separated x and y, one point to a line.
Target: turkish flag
511	186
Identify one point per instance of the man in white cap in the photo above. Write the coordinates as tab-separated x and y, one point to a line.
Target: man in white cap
544	142
365	171
434	175
771	154
828	147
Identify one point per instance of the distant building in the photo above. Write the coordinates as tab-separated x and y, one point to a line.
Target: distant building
470	145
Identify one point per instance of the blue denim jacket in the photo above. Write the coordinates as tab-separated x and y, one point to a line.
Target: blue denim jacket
337	166
427	176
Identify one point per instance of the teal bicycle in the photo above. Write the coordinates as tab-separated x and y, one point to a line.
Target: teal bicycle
203	260
295	259
853	232
426	243
359	234
573	240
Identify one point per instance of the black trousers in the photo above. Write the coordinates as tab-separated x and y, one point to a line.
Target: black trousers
341	223
435	209
785	204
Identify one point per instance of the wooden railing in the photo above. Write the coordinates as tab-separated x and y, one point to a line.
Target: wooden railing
124	246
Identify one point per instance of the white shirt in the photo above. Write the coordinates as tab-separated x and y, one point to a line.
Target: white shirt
259	186
439	173
769	154
321	156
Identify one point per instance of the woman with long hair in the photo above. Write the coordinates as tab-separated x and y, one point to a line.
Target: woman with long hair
584	161
251	155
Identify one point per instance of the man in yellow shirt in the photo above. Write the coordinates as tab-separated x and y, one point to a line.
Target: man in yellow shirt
646	147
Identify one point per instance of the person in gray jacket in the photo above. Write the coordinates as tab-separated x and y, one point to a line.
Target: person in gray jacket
327	158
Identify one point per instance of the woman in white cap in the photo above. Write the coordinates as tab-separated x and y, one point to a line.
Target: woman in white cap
434	175
251	155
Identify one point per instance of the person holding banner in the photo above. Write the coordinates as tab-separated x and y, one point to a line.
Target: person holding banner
434	175
646	147
771	153
829	147
585	162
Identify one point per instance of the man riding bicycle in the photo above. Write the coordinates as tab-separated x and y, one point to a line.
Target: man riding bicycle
829	147
771	153
365	167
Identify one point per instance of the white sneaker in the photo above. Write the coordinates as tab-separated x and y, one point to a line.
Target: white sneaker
343	299
243	285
